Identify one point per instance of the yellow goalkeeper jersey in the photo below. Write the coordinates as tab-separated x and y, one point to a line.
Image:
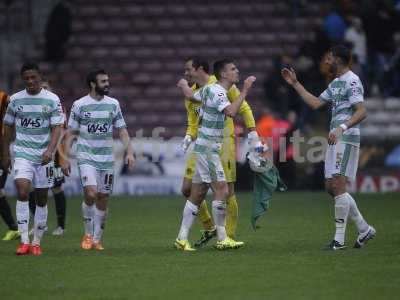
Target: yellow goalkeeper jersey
193	108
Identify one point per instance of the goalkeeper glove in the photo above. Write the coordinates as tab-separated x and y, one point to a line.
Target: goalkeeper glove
255	143
185	143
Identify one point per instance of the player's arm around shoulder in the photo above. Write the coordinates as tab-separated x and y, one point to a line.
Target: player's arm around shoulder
187	91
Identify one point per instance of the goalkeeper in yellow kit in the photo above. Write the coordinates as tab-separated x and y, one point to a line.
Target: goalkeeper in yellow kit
197	73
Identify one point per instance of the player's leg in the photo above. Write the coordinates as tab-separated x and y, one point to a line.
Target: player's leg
199	188
232	211
22	212
43	179
341	167
88	179
32	207
228	158
40	219
105	181
100	215
60	202
204	215
186	185
23	177
365	231
5	210
190	211
336	185
32	202
220	195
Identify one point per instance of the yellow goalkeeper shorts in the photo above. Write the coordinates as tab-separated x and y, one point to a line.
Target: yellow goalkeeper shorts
228	159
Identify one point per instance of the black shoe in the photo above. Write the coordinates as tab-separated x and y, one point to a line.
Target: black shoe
335	245
205	237
363	238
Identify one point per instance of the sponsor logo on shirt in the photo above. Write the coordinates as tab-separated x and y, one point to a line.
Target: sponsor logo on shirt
31	123
98	128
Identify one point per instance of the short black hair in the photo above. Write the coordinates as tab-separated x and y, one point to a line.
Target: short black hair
219	66
342	52
198	62
91	77
29	66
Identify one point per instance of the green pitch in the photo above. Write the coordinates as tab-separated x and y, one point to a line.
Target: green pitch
282	260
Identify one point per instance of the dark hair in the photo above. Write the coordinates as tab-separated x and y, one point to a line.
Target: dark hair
197	63
91	77
342	52
219	66
29	66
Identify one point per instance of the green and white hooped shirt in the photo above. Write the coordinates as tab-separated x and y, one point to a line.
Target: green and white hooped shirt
33	116
342	93
95	120
210	135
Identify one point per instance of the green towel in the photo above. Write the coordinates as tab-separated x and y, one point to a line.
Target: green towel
264	185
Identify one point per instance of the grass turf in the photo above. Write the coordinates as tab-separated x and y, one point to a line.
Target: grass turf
282	260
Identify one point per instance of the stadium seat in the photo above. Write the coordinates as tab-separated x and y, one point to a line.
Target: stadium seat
144	44
392	103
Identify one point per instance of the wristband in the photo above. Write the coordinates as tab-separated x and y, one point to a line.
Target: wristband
343	126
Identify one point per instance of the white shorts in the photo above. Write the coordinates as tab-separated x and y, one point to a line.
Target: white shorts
103	179
342	159
208	168
40	176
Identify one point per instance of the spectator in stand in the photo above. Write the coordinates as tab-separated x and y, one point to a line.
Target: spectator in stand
355	35
277	93
265	127
58	31
391	77
335	26
379	24
284	158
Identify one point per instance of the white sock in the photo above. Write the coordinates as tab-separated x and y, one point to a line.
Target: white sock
219	216
188	216
355	215
88	216
40	221
99	224
22	212
342	207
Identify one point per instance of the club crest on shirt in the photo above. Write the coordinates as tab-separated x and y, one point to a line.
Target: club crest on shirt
20	108
87	115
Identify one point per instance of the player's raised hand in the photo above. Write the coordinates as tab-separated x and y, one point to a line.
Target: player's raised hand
248	82
182	83
289	75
